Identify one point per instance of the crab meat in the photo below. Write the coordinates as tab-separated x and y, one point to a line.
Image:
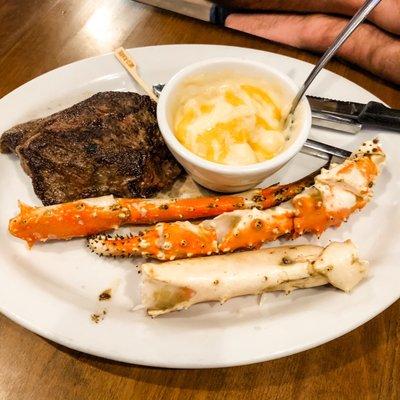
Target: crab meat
177	285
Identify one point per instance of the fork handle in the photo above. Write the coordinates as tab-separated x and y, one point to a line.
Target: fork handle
357	19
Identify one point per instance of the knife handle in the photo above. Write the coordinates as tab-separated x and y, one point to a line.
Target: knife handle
376	114
218	14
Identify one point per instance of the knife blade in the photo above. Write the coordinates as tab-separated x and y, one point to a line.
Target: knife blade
337	107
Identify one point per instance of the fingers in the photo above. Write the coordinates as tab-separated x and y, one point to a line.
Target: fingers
386	14
368	47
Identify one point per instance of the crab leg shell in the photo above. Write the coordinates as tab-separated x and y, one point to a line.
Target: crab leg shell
117	246
313	217
250	229
166	241
337	192
77	219
144	212
92	216
228	232
180	284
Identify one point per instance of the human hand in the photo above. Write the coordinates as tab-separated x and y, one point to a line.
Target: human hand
309	24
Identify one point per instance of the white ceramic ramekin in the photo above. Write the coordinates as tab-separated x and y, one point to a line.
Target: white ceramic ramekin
231	178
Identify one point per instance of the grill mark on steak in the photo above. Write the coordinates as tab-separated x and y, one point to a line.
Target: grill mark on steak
107	144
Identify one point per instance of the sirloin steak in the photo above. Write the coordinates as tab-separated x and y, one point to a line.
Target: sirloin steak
107	144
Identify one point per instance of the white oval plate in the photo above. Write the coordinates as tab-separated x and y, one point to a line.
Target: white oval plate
53	288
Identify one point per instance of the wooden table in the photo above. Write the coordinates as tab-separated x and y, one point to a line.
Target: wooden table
39	35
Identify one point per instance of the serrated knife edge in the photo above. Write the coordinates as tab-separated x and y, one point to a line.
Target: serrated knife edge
349	109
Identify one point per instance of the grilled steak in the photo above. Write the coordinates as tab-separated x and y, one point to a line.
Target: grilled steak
107	144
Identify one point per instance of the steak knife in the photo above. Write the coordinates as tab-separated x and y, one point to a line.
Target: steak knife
351	116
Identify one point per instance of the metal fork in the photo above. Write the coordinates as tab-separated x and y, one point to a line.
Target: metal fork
359	17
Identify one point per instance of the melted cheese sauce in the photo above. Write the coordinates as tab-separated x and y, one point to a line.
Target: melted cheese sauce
230	120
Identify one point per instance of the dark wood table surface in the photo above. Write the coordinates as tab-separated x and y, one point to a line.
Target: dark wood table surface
39	35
